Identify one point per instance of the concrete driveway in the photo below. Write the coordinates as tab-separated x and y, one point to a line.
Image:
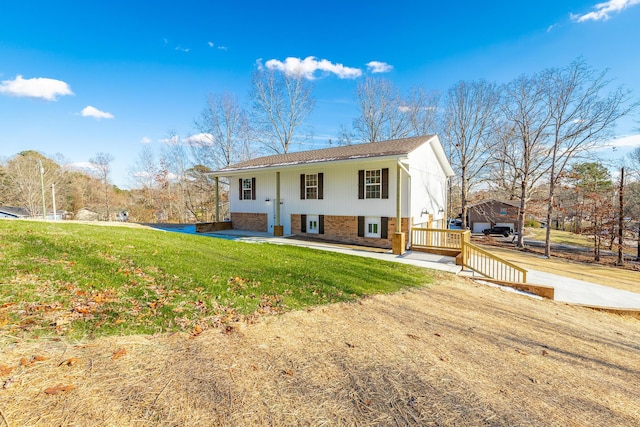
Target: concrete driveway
586	293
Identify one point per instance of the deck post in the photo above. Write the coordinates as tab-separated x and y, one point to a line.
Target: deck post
217	182
398	244
278	229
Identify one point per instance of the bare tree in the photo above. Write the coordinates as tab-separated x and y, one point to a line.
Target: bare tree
471	112
422	108
101	163
581	117
225	132
524	140
282	101
383	115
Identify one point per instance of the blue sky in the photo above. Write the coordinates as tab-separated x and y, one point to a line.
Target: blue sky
81	77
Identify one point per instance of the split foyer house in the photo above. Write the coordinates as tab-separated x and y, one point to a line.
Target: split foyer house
368	194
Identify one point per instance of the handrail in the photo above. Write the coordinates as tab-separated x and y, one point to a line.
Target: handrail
473	257
438	238
491	265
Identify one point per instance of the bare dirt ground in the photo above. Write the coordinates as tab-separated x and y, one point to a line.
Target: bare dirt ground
456	353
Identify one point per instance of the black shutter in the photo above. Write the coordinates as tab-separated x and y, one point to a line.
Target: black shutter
320	186
384	227
302	187
360	226
303	223
240	188
361	184
385	183
253	188
321	224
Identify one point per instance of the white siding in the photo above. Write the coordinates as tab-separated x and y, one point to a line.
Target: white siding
424	192
428	185
340	191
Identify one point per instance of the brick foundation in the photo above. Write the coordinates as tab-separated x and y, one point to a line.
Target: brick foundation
249	221
345	229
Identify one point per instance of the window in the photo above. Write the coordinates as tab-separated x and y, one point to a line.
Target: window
311	186
372	227
247	188
372	184
312	224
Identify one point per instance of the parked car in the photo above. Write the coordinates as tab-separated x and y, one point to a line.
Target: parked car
455	224
501	230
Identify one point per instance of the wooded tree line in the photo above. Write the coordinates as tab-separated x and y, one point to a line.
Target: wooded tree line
522	141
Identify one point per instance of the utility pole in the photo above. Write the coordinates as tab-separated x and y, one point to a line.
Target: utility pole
53	198
44	203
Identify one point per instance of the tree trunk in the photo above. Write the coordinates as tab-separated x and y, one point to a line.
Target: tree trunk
547	238
621	220
523	205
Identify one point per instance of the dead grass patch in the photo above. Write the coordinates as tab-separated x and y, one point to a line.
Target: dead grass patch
456	353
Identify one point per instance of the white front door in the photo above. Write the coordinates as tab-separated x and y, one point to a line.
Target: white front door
285	218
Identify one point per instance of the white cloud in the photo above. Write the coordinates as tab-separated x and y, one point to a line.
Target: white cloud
145	140
182	49
173	140
38	87
308	67
630	141
552	27
90	111
199	139
222	48
602	10
379	67
210	44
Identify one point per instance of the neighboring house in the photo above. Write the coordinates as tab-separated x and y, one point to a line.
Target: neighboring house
487	213
349	194
13	212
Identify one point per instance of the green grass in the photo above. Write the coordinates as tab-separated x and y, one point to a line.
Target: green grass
559	236
87	280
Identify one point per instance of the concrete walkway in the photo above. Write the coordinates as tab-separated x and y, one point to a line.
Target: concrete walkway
567	290
580	292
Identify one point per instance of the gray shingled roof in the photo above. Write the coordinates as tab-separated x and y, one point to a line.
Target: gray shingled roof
358	151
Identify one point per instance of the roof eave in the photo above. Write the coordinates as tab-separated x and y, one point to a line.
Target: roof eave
367	159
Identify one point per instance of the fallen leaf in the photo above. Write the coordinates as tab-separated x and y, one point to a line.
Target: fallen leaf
414	337
24	362
70	362
121	352
288	372
197	330
524	353
59	389
39	358
437	334
6	370
545	352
